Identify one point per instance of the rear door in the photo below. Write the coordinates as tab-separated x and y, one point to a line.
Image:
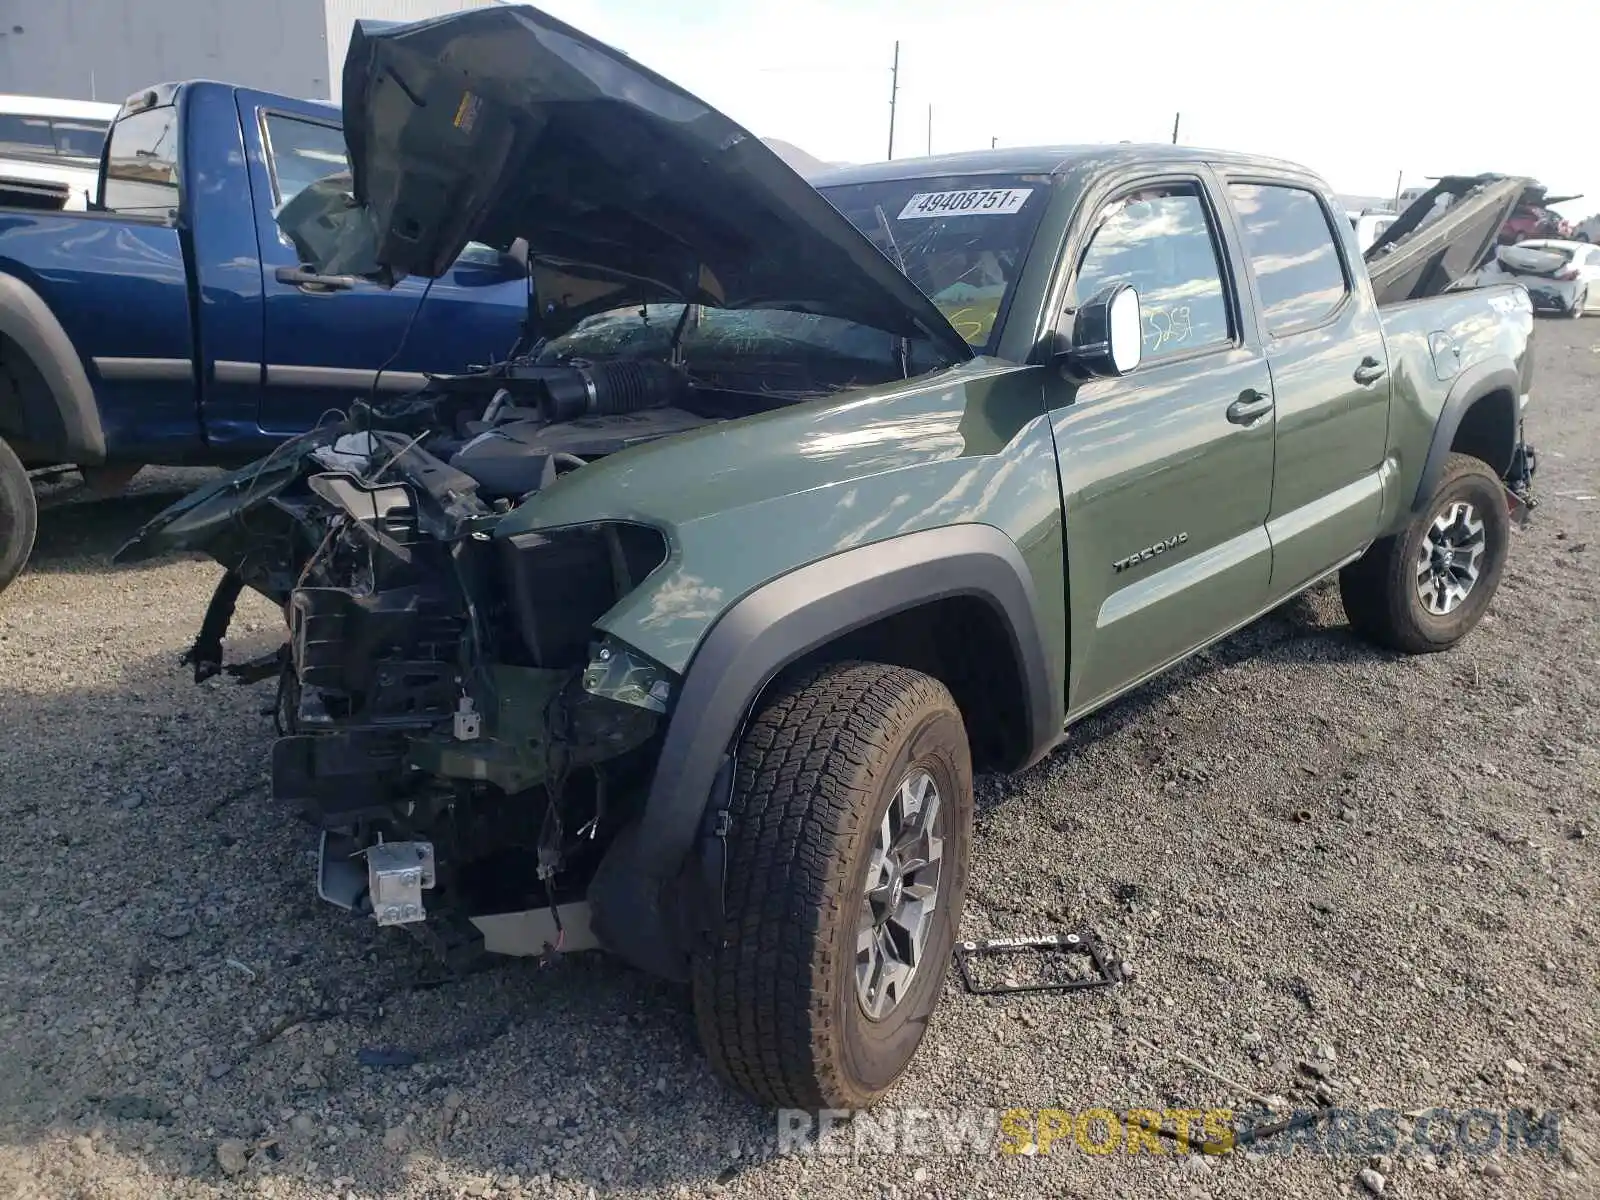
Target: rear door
324	343
1324	343
1166	473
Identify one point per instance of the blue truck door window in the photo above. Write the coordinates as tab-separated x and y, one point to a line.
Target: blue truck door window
142	166
323	346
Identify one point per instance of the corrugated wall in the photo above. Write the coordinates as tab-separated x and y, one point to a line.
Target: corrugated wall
107	49
342	15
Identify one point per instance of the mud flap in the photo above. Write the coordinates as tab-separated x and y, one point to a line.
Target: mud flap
1520	501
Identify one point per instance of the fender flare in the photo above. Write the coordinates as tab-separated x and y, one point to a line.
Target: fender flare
1476	382
66	422
756	638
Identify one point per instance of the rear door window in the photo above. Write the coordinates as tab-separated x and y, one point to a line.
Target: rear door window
26	137
77	138
142	163
1293	252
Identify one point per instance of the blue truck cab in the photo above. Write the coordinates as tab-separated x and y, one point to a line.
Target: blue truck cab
173	324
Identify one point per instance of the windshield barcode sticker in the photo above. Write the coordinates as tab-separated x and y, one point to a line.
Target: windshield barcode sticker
985	202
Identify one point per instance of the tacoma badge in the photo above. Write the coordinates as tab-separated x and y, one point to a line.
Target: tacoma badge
1172	543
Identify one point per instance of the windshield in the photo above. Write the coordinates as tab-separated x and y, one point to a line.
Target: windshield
962	239
773	349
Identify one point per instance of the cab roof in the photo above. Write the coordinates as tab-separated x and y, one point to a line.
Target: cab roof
1043	160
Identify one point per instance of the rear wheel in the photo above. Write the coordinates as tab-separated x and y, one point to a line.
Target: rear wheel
1425	589
19	515
847	867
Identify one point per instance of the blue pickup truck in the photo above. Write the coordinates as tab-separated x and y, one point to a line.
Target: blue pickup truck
174	324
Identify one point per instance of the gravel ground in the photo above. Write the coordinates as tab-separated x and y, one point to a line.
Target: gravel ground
1318	860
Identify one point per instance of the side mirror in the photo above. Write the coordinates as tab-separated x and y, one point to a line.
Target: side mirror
481	265
1107	337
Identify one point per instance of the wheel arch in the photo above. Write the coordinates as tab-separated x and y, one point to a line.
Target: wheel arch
862	600
56	414
1480	418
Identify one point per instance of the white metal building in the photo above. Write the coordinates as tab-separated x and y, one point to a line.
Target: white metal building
108	49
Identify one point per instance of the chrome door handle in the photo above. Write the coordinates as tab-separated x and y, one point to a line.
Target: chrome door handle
309	281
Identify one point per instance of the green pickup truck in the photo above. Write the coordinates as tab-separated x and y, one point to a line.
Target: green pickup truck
682	633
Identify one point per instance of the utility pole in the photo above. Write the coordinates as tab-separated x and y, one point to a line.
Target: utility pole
894	91
993	142
930	131
1176	117
1398	180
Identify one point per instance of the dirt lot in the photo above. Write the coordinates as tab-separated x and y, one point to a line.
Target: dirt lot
1313	855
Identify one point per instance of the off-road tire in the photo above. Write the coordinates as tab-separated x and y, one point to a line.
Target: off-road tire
1379	590
776	1001
19	515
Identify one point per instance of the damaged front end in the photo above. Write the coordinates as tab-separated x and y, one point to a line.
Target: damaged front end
448	716
451	712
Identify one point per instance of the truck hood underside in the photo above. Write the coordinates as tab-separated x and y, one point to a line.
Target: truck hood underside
503	123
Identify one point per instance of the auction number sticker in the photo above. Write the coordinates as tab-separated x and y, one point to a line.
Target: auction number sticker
986	202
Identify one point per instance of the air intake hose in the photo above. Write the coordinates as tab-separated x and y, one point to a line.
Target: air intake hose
609	389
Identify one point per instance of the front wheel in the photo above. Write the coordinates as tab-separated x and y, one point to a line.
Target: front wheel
847	868
19	515
1424	589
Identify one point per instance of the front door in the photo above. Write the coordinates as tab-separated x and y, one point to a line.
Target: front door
1330	377
324	344
1166	473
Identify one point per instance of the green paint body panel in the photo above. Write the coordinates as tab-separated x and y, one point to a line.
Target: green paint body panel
1149	522
744	502
1078	475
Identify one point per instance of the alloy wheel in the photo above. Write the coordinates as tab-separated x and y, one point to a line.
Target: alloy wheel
1450	558
901	896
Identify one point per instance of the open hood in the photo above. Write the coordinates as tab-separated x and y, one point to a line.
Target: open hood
502	122
1443	236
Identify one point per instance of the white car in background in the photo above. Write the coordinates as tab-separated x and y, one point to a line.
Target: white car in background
1561	277
49	141
1369	226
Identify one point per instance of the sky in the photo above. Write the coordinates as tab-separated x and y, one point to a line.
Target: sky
1442	93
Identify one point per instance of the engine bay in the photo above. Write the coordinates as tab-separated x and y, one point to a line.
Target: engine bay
535	422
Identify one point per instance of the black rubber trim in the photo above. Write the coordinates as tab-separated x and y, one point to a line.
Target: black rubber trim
1470	386
66	423
755	639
